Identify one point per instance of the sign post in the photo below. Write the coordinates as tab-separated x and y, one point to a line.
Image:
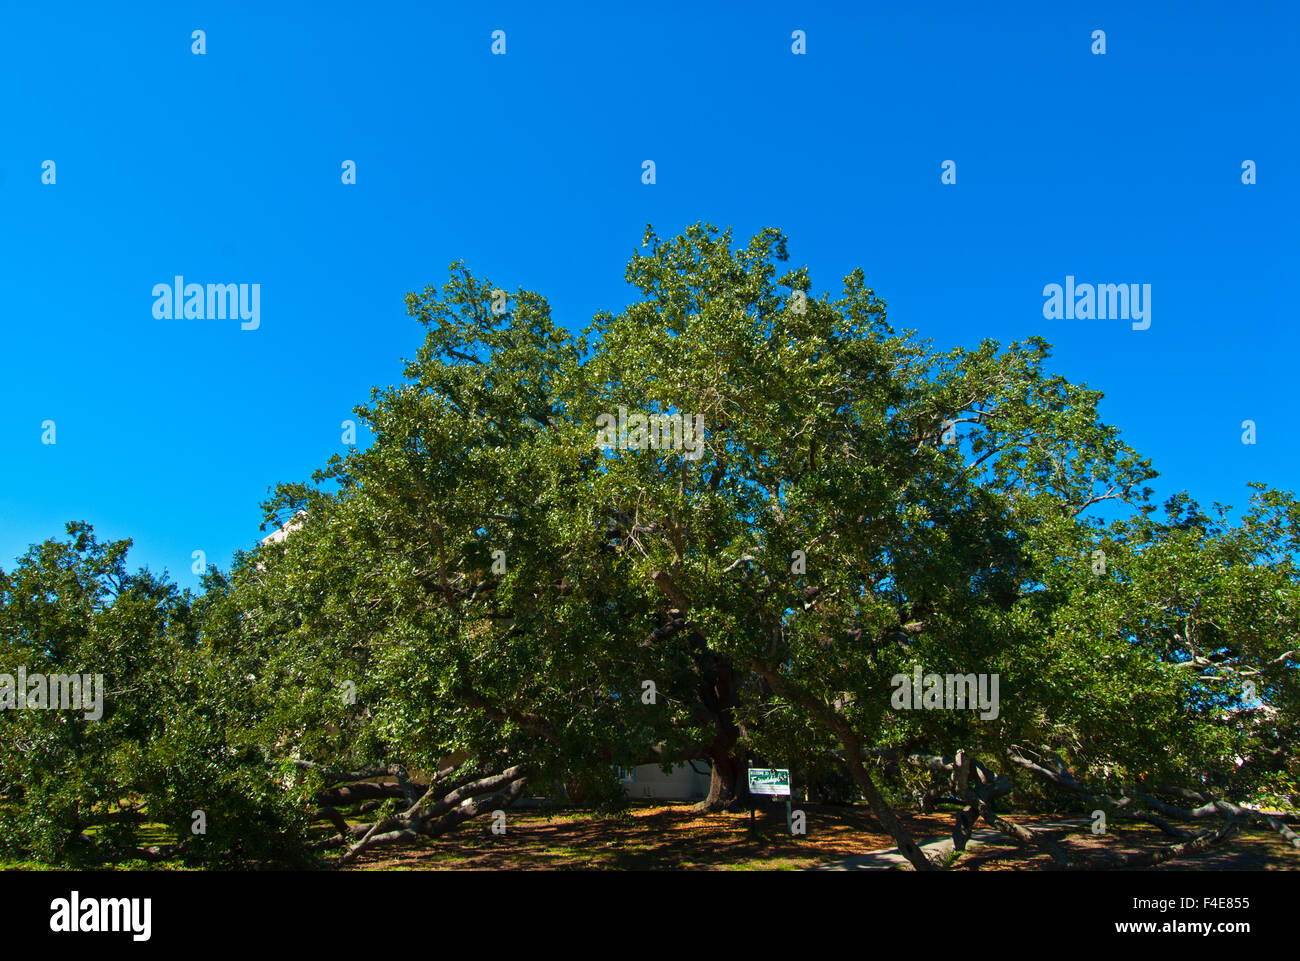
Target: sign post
773	781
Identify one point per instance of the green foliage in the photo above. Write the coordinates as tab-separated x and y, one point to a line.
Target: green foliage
484	585
80	789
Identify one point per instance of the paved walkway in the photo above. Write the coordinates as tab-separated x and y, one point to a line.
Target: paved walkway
887	859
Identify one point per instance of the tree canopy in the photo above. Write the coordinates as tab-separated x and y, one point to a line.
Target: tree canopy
492	599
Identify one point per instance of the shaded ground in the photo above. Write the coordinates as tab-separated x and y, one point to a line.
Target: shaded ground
671	837
1248	850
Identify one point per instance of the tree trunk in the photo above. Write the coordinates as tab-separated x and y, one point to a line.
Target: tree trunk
853	756
888	820
728	784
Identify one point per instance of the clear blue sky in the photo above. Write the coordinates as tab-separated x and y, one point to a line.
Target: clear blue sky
225	168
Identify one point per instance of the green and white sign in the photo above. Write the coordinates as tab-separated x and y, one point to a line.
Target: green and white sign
769	780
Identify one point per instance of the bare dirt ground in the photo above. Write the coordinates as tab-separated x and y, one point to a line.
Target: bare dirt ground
671	837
